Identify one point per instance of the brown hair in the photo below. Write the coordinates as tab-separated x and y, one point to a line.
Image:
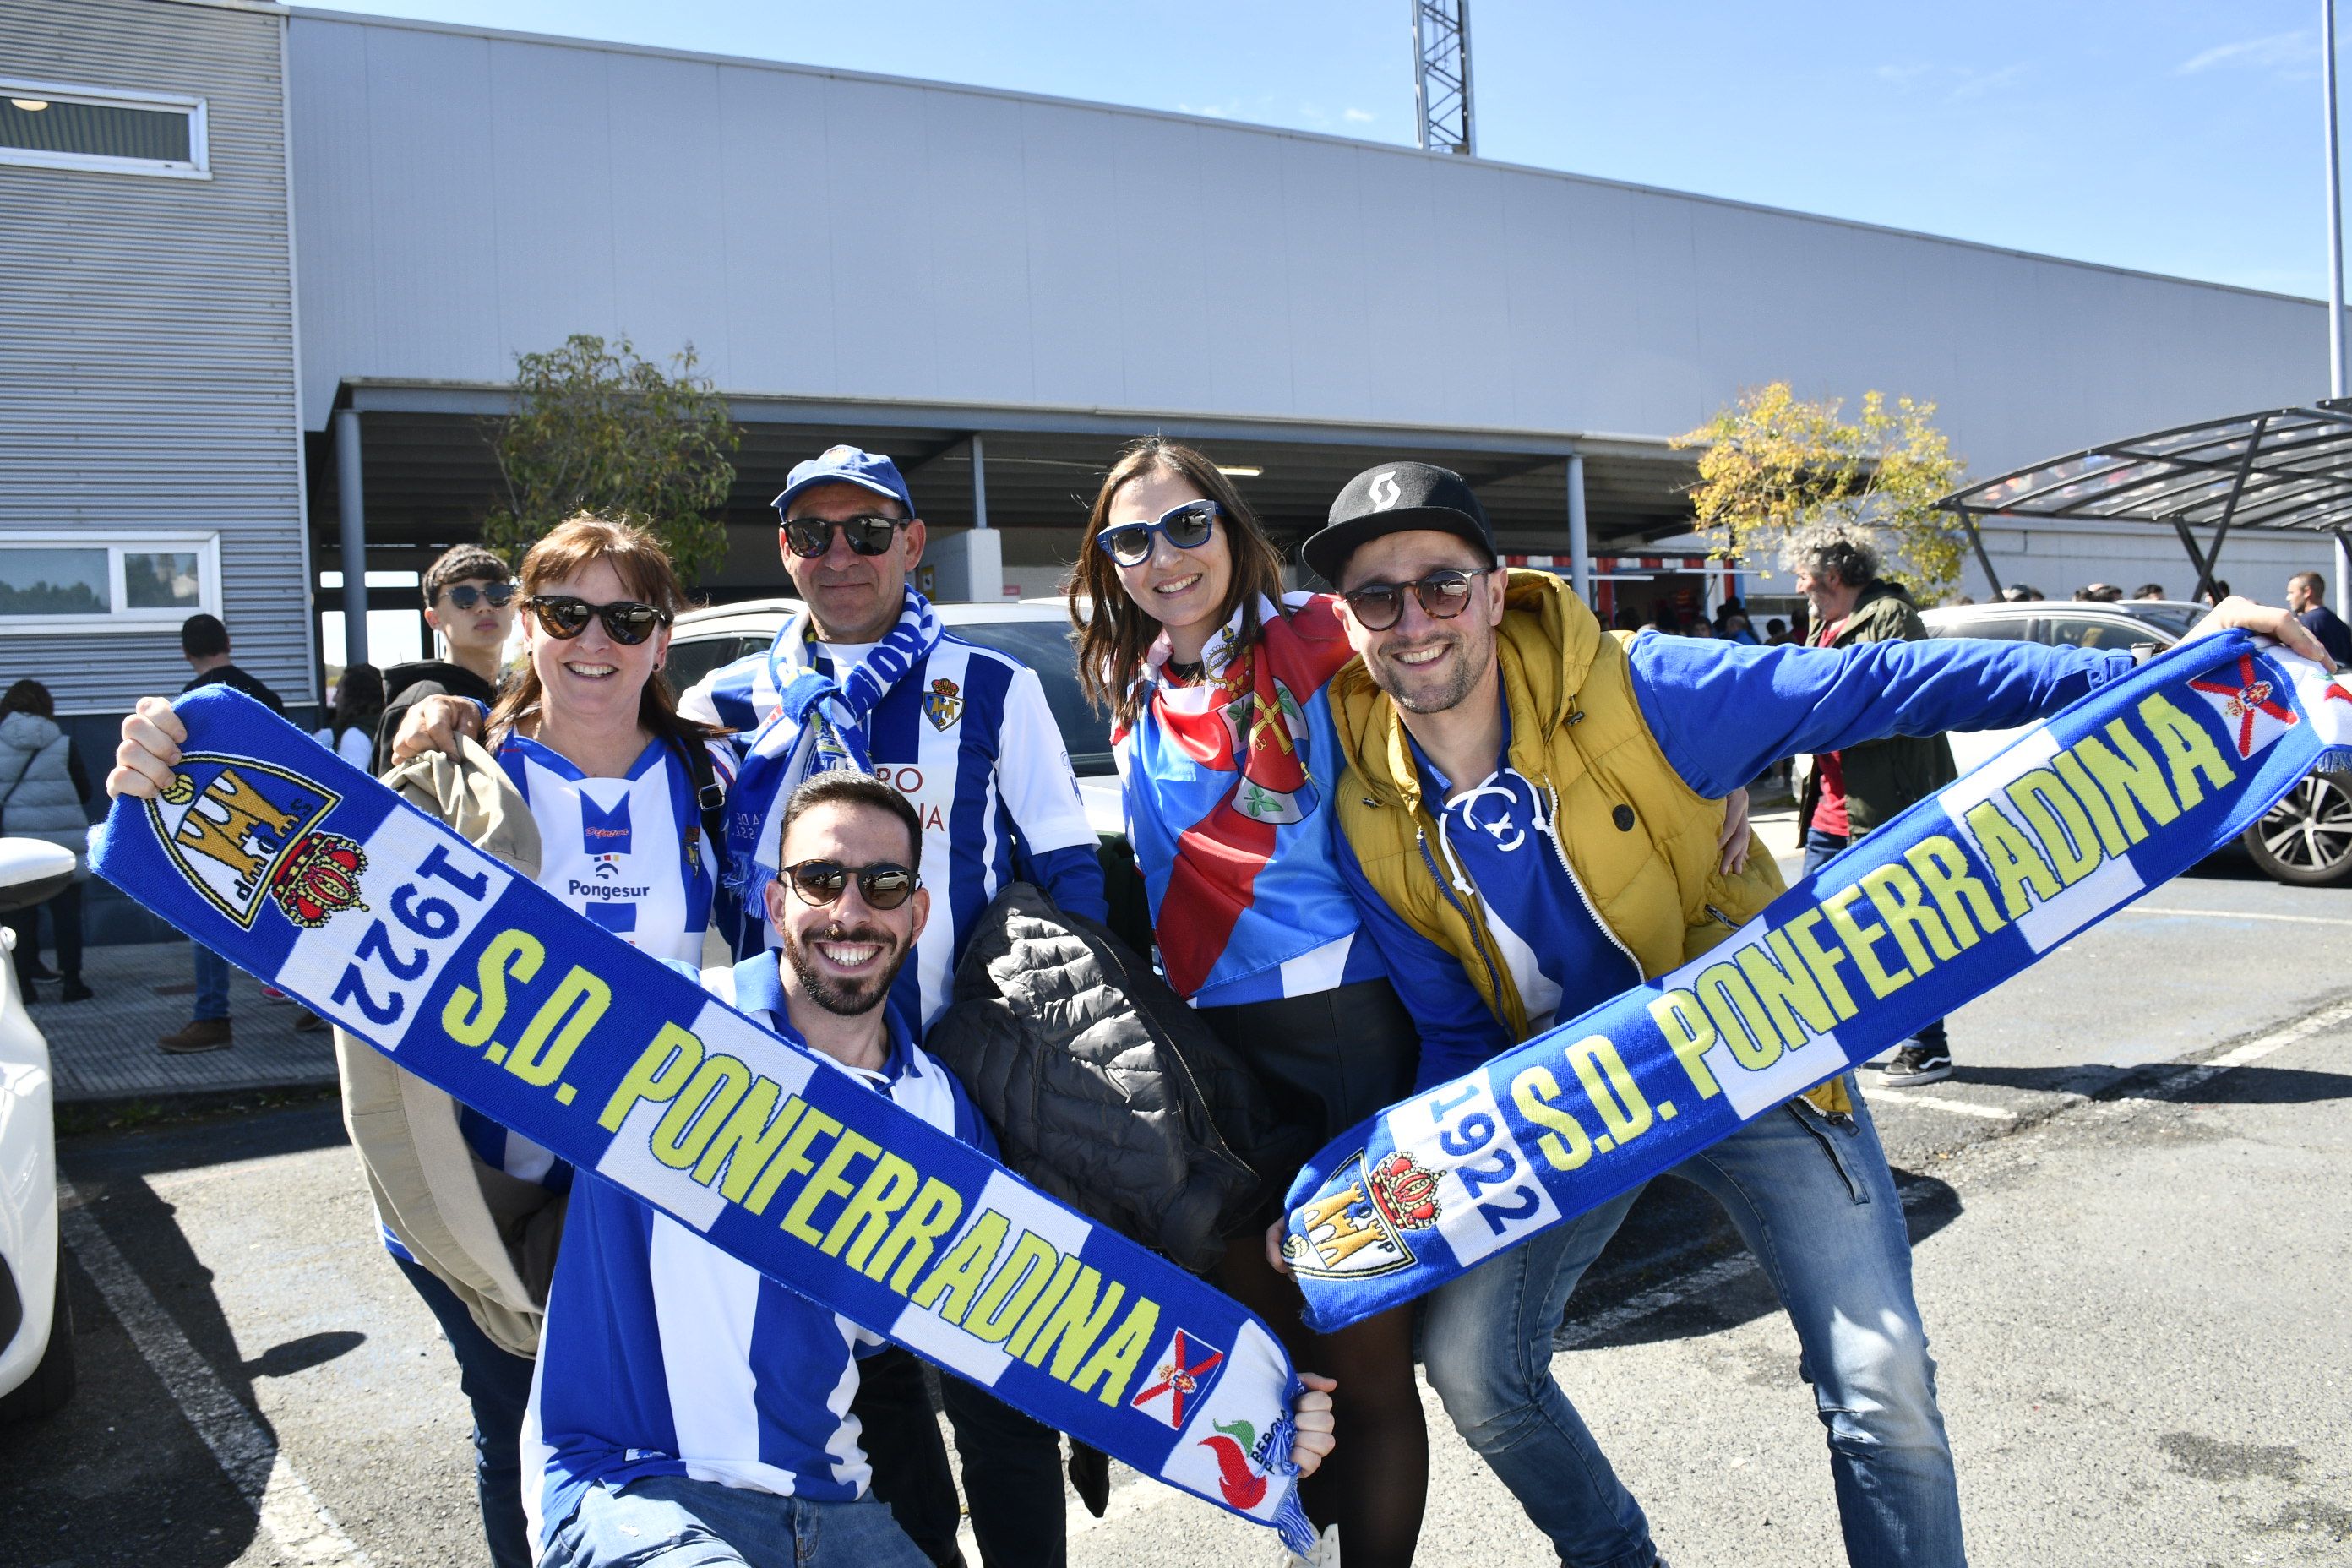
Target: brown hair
839	786
29	696
460	564
1114	639
645	570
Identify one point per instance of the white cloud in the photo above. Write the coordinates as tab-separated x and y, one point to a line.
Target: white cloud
2268	53
1225	111
1357	116
1901	76
1976	84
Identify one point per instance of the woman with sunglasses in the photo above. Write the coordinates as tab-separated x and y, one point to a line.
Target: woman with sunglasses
589	772
1215	680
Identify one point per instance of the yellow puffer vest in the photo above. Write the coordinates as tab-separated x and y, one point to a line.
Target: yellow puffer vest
1640	843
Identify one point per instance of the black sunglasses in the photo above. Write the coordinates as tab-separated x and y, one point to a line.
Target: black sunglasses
564	617
1377	607
466	595
1186	527
883	885
809	537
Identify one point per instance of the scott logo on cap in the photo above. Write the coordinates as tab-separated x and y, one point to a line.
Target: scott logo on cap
1385	493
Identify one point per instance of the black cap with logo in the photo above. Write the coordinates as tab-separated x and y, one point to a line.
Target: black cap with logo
1397	498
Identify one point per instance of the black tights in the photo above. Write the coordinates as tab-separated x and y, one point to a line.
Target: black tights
1376	1482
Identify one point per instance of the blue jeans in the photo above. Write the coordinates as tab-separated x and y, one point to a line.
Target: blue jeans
498	1385
212	984
1821	848
668	1521
1815	1202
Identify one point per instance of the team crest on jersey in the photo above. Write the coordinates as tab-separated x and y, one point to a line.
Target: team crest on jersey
944	703
245	833
603	831
1355	1229
1187	1367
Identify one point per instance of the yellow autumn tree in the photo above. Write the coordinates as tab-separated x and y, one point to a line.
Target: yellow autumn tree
1773	462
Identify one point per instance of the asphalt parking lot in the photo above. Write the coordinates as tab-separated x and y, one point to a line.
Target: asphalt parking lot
2131	1222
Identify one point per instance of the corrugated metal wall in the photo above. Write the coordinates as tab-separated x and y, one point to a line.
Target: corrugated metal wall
147	346
463	195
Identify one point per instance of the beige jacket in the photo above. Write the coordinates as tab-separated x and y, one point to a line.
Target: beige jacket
490	1237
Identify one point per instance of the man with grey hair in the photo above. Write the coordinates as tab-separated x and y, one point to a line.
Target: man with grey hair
1847	793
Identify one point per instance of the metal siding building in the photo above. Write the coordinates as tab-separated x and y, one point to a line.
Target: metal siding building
148	349
918	262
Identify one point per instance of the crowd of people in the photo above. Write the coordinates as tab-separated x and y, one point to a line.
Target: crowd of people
1535	815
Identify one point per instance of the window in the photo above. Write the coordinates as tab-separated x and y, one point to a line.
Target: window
54	125
89	582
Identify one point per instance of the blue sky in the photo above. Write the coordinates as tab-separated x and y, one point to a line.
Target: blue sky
2176	136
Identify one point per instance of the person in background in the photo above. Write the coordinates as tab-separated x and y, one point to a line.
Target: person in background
2020	594
42	794
203	642
2306	601
2213	593
350	730
1847	793
1182	621
470	599
2149	591
1731	623
1776	632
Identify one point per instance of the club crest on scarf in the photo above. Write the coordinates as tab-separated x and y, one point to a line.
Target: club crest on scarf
1356	1229
1187	1365
245	832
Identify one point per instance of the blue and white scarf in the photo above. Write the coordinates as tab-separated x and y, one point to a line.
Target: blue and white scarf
819	725
303	870
2080	816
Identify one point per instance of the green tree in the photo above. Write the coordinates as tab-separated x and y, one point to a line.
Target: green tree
596	428
1773	462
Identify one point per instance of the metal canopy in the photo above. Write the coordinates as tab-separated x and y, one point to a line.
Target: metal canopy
2287	469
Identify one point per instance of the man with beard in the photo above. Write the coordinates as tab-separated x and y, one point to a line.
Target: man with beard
684	1403
1529	824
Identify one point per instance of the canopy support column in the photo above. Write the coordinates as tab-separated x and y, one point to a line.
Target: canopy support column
1580	552
1969	521
2344	574
979	482
350	497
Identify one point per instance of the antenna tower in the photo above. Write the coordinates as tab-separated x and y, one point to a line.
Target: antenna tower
1441	74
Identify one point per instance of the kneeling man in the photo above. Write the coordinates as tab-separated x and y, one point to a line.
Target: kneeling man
689	1410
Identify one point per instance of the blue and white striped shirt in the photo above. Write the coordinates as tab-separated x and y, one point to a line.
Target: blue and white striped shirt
663	1356
966	735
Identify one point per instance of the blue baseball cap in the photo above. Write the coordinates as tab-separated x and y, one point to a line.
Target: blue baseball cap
846	466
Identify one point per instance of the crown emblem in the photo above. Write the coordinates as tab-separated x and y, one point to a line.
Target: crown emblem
320	880
1405	1194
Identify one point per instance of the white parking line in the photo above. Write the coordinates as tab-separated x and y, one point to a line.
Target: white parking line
1942	1102
300	1524
2236	915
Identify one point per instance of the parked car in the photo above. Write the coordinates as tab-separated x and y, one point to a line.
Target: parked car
1035	632
37	1364
2305	839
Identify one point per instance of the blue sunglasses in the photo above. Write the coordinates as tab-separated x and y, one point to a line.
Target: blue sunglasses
1186	527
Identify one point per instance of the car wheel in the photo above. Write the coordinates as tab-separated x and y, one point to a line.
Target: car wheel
2305	839
52	1382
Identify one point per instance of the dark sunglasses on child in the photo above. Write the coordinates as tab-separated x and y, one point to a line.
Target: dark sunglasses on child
466	595
1186	527
883	885
809	537
627	622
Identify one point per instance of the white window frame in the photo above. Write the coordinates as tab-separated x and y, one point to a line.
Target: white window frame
206	542
197	167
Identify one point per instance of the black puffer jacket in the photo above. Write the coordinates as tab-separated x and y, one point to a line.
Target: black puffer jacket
1103	1087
